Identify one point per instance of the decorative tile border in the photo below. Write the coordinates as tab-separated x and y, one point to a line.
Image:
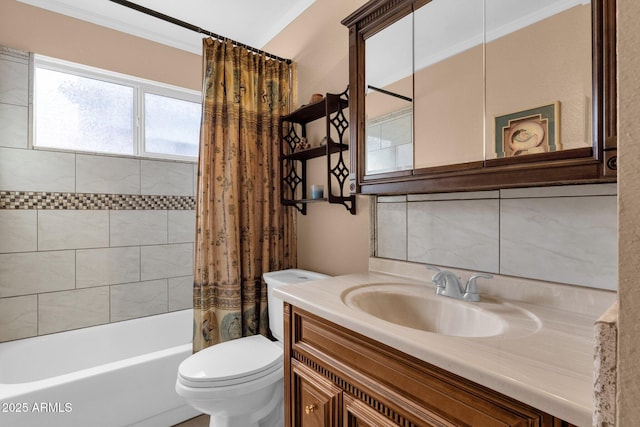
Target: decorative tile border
48	200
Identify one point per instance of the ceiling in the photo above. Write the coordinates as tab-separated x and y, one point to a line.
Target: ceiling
252	22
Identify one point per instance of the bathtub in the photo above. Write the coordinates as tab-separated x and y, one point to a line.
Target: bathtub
120	374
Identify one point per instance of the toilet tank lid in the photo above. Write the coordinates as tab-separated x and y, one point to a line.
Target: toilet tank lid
290	276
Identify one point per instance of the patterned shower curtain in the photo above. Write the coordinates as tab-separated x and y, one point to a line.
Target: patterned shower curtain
242	230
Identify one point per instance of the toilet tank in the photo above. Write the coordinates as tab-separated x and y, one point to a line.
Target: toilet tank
276	279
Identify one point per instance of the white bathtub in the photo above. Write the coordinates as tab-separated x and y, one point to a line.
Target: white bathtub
119	374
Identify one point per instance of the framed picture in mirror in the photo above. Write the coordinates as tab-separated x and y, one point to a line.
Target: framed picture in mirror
532	131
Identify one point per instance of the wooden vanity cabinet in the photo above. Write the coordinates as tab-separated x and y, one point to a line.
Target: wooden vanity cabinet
336	377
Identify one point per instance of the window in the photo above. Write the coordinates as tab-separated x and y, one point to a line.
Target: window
84	109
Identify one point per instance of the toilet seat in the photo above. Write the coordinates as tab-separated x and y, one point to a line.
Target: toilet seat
231	363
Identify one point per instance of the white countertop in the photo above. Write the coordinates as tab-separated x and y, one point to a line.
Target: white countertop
550	370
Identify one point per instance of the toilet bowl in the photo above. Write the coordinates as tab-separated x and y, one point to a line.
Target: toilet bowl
239	383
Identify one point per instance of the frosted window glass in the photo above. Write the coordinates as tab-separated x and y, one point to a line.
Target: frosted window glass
172	126
80	113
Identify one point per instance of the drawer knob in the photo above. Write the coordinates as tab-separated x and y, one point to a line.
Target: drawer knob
310	408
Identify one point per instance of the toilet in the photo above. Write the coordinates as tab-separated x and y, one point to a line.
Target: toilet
239	383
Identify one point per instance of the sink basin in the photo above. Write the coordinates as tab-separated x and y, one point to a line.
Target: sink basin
417	307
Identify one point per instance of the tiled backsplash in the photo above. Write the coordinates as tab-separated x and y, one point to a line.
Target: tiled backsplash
564	234
86	239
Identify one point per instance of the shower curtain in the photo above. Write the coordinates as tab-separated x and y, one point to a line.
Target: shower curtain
242	229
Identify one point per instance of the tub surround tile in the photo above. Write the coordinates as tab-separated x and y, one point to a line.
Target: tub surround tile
14	84
72	226
36	272
18	231
18	317
92	201
109	175
79	308
166	178
166	261
569	240
138	227
138	299
461	233
70	229
182	226
180	293
107	266
36	170
14	122
392	230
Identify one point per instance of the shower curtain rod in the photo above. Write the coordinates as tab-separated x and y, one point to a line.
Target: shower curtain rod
192	27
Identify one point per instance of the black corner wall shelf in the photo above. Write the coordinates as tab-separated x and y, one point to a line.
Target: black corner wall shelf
293	159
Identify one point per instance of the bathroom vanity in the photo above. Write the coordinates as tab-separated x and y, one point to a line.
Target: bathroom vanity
346	364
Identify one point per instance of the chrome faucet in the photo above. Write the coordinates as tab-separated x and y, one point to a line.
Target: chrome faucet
450	285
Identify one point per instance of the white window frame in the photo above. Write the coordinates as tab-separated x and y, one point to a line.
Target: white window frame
140	87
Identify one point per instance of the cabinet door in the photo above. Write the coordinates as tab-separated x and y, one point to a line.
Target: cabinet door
317	401
358	414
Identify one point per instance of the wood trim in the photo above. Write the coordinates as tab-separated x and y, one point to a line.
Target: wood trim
510	176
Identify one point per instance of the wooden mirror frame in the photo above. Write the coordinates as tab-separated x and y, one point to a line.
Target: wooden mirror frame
594	164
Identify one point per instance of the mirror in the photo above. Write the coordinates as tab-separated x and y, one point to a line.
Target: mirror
388	99
449	83
538	76
452	95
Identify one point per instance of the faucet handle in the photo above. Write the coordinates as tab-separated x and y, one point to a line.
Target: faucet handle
437	278
471	290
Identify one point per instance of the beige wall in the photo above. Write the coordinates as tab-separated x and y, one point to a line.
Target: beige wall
330	239
37	30
628	208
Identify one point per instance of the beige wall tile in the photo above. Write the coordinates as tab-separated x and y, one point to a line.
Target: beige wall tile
182	226
18	317
71	229
14	122
391	231
138	299
455	233
180	293
138	227
166	178
36	170
14	81
18	230
62	311
36	272
163	261
561	239
109	175
107	266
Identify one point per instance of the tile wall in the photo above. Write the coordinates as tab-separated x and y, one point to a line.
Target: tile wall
85	239
564	234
